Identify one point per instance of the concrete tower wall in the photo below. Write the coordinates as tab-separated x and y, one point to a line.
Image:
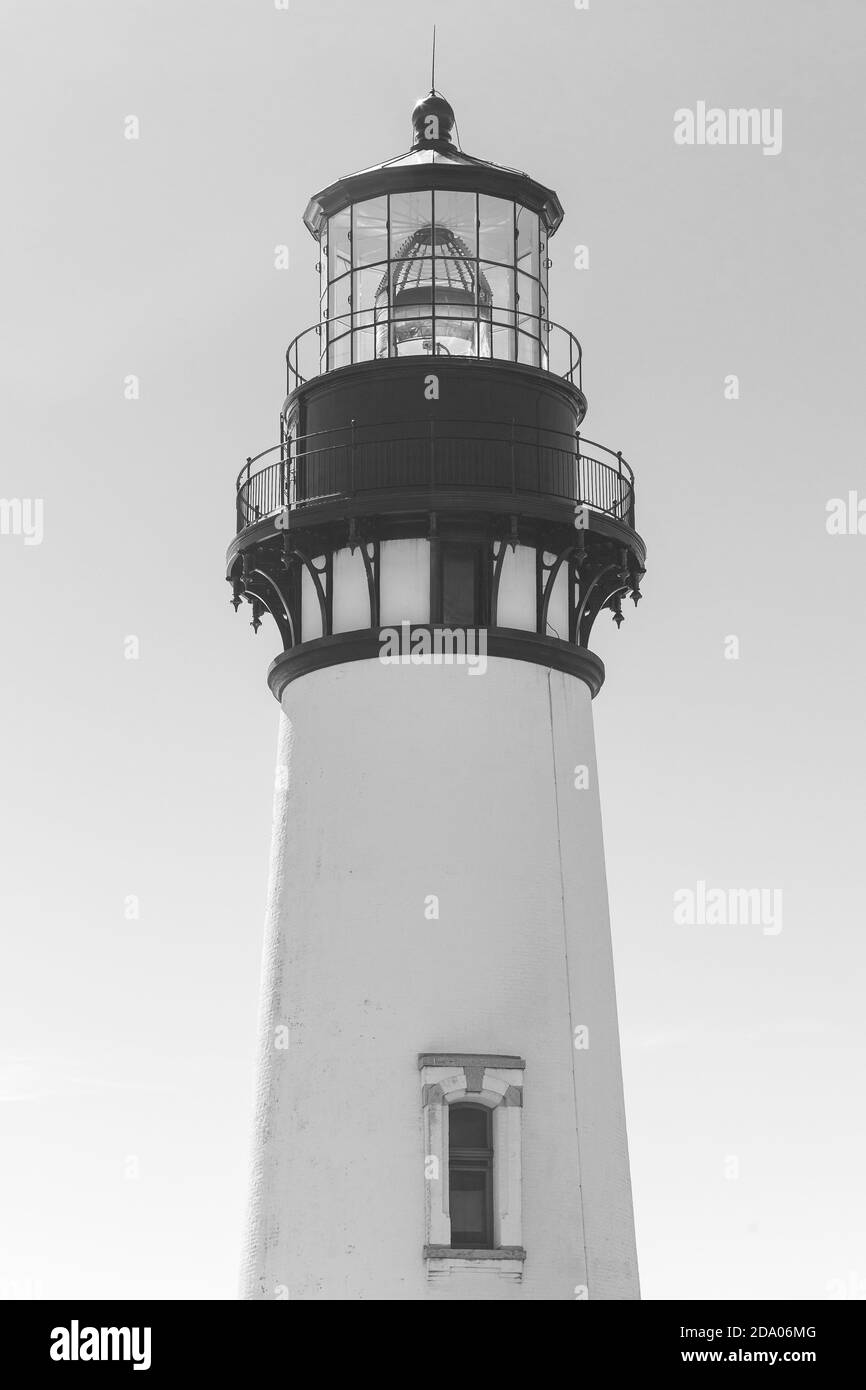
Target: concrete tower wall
395	785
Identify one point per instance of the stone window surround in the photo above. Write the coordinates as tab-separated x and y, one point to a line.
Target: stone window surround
487	1079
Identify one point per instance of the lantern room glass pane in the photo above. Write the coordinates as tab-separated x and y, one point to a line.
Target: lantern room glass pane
527	241
528	320
527	345
365	288
500	284
455	282
528	295
338	296
323	272
339	343
370	232
339	254
363	335
496	229
456	306
409	213
365	300
413	276
502	335
457	214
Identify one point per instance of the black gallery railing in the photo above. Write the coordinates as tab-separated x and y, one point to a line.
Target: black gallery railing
346	461
470	334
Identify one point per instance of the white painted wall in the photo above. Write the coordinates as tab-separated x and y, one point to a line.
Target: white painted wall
403	782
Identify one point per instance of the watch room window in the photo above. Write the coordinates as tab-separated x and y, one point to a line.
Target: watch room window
459	581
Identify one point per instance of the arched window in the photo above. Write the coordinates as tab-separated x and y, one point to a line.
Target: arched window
470	1175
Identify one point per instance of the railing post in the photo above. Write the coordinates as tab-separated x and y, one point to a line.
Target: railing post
577	485
513	459
619	469
352	461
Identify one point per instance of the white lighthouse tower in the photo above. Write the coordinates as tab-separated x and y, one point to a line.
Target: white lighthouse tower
439	1106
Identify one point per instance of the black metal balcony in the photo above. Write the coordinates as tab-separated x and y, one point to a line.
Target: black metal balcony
505	463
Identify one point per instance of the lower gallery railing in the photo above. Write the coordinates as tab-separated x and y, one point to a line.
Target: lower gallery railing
345	462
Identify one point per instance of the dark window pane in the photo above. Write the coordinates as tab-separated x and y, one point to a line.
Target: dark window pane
458	595
468	1127
469	1207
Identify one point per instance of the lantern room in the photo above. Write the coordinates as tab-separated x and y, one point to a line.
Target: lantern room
434	253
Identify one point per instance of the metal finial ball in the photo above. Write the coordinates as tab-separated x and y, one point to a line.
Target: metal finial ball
433	120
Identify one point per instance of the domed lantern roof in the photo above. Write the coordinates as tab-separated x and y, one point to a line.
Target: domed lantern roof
434	161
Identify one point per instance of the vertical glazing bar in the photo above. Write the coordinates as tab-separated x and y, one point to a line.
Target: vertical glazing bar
514	281
389	287
433	343
477	279
351	273
281	480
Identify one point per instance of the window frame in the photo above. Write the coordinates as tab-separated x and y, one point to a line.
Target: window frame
473	1160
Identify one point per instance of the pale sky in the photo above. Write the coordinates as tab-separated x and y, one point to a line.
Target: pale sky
126	1045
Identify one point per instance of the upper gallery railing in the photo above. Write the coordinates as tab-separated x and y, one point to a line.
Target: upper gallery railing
368	336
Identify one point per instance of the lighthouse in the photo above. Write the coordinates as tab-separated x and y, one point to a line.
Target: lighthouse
439	1106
